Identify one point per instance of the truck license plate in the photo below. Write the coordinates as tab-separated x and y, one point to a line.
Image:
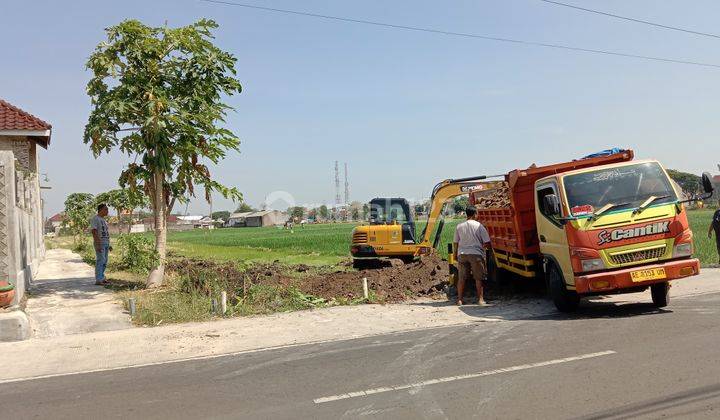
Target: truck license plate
648	274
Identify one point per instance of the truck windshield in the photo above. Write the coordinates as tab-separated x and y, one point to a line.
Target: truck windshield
624	187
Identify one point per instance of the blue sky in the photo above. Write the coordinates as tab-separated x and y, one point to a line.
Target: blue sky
403	109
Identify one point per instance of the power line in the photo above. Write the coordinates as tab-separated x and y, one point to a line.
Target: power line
645	22
466	35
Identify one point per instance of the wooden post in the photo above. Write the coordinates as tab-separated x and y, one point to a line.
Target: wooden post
131	306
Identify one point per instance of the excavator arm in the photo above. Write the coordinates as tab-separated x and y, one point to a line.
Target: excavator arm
445	191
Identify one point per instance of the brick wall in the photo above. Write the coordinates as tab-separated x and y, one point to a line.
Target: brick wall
21	148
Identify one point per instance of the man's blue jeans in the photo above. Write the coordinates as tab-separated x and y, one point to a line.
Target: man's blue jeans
101	260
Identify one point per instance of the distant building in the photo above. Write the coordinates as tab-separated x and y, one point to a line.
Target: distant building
189	220
257	218
53	224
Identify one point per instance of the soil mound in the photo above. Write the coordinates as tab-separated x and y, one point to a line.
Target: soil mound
424	277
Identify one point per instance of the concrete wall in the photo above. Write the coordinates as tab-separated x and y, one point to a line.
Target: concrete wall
22	244
274	218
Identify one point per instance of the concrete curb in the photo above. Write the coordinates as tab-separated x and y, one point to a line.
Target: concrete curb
14	326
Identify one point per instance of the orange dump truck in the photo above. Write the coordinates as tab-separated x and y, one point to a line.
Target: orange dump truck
599	225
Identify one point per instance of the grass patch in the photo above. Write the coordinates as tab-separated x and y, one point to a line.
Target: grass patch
705	248
318	245
178	301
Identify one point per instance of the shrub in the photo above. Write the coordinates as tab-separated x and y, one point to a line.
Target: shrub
137	253
81	245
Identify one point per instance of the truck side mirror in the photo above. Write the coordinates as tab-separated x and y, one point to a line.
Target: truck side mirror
707	183
551	205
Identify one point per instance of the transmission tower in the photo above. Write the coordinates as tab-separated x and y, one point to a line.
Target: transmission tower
338	199
347	186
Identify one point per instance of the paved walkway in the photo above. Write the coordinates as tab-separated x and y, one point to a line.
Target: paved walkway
64	300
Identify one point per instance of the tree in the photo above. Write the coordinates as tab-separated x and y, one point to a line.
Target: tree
123	200
689	183
244	208
365	211
460	204
312	214
224	215
156	96
296	212
354	210
323	212
79	208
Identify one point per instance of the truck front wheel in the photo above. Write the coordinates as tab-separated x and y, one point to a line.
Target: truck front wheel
565	300
660	294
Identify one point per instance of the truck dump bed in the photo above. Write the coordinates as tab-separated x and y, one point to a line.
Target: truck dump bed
510	220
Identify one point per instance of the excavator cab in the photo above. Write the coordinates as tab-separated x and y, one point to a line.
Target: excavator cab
394	211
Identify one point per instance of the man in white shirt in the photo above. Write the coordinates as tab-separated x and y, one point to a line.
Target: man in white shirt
470	241
101	243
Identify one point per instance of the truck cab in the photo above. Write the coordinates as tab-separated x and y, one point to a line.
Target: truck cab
612	228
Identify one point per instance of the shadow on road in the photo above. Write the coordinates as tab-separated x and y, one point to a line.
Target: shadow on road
70	288
595	309
534	308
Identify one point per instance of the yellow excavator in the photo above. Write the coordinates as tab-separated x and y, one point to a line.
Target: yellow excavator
391	231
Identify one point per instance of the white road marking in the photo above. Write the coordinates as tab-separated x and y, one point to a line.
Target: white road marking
373	391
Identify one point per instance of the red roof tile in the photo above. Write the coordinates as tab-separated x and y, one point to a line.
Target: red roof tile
58	217
14	118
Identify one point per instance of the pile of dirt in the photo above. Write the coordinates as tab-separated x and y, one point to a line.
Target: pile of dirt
425	277
493	198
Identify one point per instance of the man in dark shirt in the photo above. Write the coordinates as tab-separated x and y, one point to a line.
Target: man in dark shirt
715	225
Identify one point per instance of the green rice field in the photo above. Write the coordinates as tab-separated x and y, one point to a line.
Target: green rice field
320	244
705	248
326	244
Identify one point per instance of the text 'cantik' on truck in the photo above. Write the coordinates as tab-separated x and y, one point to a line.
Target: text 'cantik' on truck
600	225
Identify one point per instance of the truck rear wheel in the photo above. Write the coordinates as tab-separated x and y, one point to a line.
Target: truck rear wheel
660	294
494	275
565	300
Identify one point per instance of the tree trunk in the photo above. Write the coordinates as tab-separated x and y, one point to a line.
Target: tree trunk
119	221
157	275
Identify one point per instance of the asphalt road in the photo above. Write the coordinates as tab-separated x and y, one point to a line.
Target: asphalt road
605	362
